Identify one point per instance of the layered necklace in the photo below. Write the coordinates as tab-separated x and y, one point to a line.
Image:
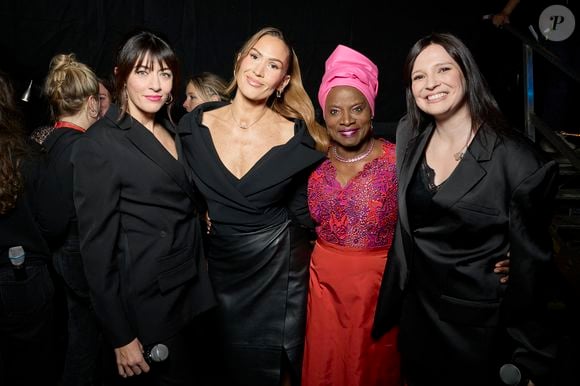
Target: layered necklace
246	126
355	158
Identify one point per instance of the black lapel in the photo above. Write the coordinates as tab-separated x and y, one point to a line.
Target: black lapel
146	142
413	154
469	171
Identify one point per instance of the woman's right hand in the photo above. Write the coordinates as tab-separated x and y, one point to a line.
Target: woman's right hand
130	360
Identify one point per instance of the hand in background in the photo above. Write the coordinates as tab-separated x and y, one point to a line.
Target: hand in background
503	268
500	19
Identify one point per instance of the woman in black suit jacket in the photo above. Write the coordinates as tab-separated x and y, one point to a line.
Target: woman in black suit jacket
138	218
470	190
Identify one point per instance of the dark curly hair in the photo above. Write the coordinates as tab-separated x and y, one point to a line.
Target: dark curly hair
12	146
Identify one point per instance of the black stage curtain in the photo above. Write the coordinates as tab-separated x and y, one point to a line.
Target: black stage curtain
206	34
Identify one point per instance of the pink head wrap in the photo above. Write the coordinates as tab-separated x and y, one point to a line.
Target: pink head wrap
347	67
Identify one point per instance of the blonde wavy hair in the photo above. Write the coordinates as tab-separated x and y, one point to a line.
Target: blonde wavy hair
294	101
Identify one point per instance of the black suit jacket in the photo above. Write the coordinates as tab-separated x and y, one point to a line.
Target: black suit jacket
139	231
498	199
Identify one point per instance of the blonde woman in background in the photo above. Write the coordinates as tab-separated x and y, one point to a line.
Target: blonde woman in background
72	90
204	87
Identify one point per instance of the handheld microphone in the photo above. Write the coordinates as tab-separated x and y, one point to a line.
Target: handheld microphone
156	353
17	257
511	375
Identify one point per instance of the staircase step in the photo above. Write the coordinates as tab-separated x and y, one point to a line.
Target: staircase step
566	222
568	194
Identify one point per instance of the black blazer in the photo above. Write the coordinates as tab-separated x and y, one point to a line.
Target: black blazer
140	232
498	199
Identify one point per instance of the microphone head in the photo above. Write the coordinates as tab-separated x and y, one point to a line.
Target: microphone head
16	255
510	374
159	353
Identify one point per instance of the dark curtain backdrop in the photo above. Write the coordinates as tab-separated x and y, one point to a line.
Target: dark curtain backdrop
206	34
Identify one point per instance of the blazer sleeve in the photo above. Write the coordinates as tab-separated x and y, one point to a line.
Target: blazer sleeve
96	197
388	309
391	292
532	273
298	202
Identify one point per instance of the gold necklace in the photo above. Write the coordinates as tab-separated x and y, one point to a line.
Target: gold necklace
244	126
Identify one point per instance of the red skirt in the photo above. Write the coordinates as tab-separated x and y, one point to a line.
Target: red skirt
339	349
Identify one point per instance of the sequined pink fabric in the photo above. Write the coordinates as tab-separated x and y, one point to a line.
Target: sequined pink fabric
364	212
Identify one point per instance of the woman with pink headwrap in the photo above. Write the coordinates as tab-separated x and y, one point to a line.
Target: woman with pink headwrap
352	197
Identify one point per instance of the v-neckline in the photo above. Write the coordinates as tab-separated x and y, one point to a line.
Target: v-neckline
260	160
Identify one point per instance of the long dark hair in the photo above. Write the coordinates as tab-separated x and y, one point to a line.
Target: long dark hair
13	147
482	104
132	54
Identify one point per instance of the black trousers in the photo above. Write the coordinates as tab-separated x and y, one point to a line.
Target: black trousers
83	331
27	350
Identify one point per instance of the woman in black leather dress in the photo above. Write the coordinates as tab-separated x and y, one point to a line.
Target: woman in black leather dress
251	159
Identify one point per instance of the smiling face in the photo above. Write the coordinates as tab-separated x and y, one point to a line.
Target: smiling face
437	83
348	117
148	88
263	70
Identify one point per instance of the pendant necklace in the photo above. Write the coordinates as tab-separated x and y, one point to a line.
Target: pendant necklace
355	158
246	126
459	155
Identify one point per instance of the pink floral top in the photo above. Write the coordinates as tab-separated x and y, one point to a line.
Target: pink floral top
364	212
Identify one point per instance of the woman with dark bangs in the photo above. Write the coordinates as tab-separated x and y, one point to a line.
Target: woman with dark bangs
138	219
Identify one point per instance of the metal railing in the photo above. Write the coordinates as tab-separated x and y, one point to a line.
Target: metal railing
532	122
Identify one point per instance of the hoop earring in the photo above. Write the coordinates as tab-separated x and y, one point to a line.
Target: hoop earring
169	99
